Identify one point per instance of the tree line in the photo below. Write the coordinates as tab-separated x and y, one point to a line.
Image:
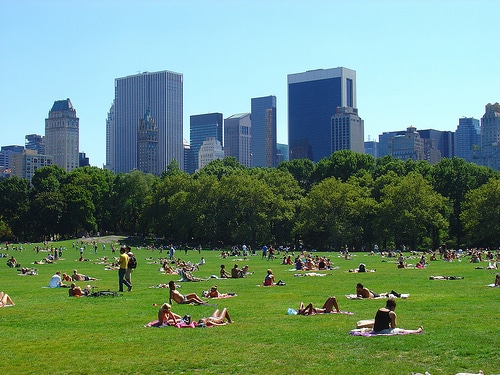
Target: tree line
348	199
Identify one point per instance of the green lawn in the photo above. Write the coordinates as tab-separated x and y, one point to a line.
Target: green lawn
47	332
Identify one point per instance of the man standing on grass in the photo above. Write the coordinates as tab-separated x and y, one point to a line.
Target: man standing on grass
123	269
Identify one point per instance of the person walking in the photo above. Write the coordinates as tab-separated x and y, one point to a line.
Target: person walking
123	269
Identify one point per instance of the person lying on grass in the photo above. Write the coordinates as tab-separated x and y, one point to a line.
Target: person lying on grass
76	291
218	318
364	292
327	308
183	299
80	277
214	293
166	316
385	320
5	300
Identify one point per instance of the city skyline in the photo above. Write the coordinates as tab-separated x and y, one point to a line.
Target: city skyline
418	63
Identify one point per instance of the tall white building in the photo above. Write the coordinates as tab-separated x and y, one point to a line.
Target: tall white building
62	135
210	150
162	94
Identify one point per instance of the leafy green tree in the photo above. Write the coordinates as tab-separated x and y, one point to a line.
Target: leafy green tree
79	210
99	183
132	194
172	169
388	164
48	179
172	207
301	169
14	204
243	210
453	179
222	167
283	207
343	164
331	214
46	211
480	213
5	231
410	210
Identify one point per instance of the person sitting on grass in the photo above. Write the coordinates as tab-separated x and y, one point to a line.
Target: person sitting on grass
79	277
183	299
269	279
385	320
236	272
327	308
56	282
223	274
166	316
5	300
76	291
218	318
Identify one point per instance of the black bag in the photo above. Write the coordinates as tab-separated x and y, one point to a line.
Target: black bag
132	262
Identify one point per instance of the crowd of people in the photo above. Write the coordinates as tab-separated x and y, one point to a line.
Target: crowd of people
385	318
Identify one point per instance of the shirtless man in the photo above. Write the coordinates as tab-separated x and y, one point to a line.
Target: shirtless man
79	277
364	292
181	299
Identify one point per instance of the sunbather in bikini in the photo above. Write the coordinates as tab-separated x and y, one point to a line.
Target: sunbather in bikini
183	299
327	308
216	319
166	316
5	300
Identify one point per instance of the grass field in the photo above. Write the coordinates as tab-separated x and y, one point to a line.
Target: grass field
47	332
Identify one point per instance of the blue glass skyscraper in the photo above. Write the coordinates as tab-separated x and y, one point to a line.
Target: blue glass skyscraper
202	127
264	131
313	98
467	136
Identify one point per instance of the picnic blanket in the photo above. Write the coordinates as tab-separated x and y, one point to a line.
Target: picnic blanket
291	311
228	295
367	332
355	296
182	324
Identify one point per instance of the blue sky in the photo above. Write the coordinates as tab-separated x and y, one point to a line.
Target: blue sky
421	63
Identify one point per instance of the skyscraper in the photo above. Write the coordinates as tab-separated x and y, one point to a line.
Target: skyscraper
25	164
237	138
62	135
201	128
264	136
313	98
35	142
467	136
147	145
347	130
210	150
490	136
161	93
